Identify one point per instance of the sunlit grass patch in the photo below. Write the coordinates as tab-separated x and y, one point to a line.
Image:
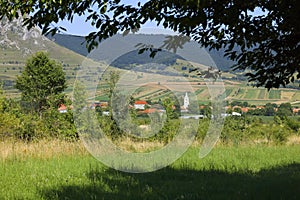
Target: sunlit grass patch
256	172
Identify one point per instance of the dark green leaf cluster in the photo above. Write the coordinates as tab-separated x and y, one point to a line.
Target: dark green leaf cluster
268	43
42	82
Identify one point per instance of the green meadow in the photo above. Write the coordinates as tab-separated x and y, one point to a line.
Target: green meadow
62	170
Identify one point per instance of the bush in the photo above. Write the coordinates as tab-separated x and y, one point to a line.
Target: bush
202	129
233	130
28	126
59	125
279	134
293	124
9	124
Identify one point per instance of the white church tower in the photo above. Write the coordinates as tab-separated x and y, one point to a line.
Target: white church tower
186	101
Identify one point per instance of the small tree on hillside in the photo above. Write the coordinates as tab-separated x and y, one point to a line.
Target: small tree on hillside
41	82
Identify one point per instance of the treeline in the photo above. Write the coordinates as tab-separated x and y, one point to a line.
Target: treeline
269	109
21	124
256	130
11	62
134	59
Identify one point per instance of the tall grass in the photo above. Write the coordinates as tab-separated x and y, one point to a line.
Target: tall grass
62	170
40	149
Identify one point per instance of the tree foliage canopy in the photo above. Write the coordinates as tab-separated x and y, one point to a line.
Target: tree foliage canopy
269	43
42	82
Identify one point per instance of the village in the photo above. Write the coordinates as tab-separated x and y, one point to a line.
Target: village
234	108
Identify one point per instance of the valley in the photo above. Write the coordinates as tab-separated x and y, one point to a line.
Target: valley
18	44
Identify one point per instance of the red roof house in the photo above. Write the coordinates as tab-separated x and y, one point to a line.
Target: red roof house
140	105
62	108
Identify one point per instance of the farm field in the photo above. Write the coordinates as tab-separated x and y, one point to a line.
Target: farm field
235	90
162	87
60	170
256	96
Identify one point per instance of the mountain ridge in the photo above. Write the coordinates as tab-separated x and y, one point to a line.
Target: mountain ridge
77	44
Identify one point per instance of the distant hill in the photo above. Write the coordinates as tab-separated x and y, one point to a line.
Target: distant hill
72	42
17	44
116	46
134	58
221	61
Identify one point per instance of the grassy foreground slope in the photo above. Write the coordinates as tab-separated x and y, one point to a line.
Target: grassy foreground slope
55	170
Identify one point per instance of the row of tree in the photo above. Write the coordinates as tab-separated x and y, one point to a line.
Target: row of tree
269	109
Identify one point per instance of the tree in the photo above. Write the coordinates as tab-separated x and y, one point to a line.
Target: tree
257	111
236	103
267	44
284	110
42	82
269	109
237	109
169	105
206	111
245	104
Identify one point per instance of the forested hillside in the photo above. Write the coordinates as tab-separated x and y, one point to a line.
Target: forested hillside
77	44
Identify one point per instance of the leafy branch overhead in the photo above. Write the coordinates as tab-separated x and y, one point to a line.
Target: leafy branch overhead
172	43
269	43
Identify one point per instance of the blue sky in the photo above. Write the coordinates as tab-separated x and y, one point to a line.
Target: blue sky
80	27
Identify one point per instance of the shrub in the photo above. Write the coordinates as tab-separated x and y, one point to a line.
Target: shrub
279	134
293	124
